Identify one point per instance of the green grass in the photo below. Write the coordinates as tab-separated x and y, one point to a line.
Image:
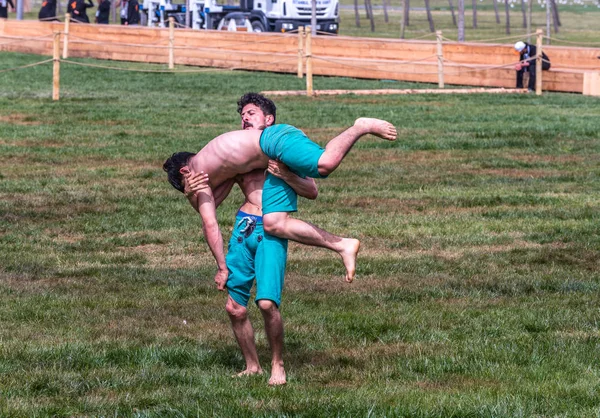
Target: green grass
478	279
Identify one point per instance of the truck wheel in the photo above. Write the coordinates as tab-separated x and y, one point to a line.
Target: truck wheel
257	26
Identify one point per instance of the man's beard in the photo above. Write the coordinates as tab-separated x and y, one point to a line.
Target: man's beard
247	125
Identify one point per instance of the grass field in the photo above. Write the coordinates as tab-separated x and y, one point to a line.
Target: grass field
478	279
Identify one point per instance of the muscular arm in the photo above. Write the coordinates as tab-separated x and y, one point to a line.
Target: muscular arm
203	202
195	182
305	187
212	233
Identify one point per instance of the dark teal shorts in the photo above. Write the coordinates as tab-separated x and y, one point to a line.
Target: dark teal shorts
254	255
292	147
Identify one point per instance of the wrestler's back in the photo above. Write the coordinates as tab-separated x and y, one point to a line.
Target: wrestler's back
230	154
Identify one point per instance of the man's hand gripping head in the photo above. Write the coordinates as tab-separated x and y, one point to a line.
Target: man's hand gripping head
193	182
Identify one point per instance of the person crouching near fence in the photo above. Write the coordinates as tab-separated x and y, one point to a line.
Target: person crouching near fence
527	56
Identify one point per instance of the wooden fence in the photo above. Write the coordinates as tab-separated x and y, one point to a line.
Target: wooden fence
472	64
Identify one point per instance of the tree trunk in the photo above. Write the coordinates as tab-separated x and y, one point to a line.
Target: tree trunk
555	17
507	13
548	6
558	15
356	14
371	15
474	6
385	11
461	20
524	14
452	11
367	13
429	16
496	11
404	18
529	17
407	20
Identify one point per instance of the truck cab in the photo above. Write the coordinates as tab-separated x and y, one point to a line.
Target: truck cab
268	15
288	15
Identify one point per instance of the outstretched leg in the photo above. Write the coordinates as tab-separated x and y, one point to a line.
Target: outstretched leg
274	331
338	147
281	225
244	334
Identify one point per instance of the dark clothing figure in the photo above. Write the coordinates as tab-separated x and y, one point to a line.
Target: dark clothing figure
130	13
48	11
103	13
4	8
527	56
133	13
77	9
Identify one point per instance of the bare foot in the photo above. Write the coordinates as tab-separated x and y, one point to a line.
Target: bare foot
278	376
349	254
248	372
377	127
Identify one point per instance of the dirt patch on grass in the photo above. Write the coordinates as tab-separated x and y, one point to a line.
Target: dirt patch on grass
578	334
106	122
387	205
204	125
62	238
534	158
19	119
163	256
80	166
375	253
166	318
511	172
323	135
22	283
407	159
46	143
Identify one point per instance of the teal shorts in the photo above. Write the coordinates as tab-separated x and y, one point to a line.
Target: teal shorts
253	255
292	147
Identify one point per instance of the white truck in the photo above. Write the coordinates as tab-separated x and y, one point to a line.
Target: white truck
157	13
255	15
266	15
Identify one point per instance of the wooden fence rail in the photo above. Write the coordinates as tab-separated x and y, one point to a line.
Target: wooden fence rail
472	64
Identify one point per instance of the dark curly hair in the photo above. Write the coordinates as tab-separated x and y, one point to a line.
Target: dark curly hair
266	105
173	165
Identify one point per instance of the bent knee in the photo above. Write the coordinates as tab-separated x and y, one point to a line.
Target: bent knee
235	310
266	305
274	223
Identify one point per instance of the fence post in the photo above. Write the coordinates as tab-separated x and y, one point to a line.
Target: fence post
171	42
66	36
529	18
309	80
56	67
440	59
538	63
300	51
